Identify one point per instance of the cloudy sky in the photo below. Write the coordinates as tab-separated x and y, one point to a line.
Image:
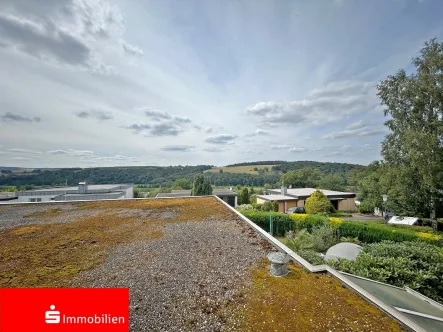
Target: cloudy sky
136	82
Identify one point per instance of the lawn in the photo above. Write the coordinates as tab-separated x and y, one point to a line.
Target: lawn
239	169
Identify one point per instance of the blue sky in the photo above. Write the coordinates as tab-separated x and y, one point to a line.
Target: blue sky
130	82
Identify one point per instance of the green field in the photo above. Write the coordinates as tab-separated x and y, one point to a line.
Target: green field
239	169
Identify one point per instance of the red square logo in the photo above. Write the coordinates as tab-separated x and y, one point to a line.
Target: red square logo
64	309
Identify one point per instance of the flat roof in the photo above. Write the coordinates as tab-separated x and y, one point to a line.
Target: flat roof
306	192
90	187
184	193
277	198
190	264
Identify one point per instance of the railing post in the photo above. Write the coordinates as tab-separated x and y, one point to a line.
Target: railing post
270	224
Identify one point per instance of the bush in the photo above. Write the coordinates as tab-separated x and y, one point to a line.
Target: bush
308	221
335	222
318	203
323	238
369	233
366	232
417	265
366	207
253	199
350	239
258	207
311	256
267	206
301	240
281	222
244	207
275	206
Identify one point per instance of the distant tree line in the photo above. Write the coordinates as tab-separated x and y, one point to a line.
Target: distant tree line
266	162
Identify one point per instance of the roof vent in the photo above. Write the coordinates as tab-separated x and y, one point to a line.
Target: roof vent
283	190
279	262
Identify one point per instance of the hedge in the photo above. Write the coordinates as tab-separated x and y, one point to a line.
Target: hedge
365	232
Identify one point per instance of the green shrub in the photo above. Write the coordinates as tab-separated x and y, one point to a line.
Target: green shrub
318	203
301	240
366	232
417	265
257	207
366	207
350	239
323	238
253	199
369	233
275	206
267	206
281	222
311	256
312	221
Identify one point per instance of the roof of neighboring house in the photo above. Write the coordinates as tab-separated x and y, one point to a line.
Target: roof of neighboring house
306	192
90	187
196	252
276	198
184	193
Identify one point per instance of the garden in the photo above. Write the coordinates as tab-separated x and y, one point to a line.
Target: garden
399	255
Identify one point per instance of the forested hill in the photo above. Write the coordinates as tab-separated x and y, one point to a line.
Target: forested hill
253	163
152	175
324	167
155	176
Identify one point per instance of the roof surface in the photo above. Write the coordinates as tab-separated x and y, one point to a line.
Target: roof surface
305	192
277	198
90	187
185	193
190	264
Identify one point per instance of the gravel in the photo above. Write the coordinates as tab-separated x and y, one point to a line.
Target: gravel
12	216
189	279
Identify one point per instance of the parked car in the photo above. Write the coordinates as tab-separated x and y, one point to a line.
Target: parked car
295	209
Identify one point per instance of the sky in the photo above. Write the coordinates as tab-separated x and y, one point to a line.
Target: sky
86	83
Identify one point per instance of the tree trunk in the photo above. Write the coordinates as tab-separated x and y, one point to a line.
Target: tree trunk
433	214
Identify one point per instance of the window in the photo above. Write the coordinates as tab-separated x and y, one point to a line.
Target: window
32	199
38	199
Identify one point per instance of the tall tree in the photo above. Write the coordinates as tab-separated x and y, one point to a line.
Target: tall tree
243	197
332	182
202	186
414	107
302	178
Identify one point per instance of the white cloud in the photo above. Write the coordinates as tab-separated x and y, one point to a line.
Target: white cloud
258	132
98	115
178	148
68	32
131	49
214	149
328	104
349	150
221	139
357	129
26	151
294	149
71	152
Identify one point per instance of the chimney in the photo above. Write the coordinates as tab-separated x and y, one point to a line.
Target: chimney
82	188
283	190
